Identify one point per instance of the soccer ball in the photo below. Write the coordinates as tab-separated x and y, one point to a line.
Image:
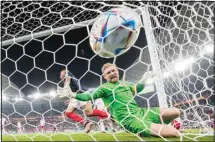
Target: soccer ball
114	32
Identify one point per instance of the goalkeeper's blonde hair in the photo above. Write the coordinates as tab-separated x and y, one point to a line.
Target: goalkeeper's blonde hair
106	65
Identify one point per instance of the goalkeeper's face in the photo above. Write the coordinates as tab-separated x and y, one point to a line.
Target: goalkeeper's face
111	74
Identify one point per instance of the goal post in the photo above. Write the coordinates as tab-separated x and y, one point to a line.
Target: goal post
162	98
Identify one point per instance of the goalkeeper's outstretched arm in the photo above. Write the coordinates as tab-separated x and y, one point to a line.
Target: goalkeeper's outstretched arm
82	96
87	96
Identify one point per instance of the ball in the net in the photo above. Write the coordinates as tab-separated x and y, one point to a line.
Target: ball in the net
114	32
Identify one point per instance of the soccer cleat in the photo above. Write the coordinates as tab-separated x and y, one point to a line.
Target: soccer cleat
87	126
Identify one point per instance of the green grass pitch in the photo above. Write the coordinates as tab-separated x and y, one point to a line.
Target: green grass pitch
96	136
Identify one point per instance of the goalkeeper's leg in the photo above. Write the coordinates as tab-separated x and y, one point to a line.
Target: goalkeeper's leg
169	114
163	130
148	128
161	115
158	115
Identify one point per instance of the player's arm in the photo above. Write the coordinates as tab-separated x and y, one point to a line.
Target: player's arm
99	93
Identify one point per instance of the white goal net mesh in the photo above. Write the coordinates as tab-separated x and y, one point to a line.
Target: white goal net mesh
39	39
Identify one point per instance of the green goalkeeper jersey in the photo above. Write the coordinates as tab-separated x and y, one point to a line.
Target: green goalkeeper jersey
117	97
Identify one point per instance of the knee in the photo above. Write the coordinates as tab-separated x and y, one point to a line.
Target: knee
88	113
68	111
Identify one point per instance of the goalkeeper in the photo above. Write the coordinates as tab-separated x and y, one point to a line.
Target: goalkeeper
118	97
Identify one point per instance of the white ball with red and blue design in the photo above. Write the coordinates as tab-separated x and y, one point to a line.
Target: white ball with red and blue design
115	32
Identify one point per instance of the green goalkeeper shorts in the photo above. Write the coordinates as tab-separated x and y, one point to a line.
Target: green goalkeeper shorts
141	121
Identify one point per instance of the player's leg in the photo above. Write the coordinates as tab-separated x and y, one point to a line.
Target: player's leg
54	130
87	106
75	117
153	116
43	129
102	126
163	130
19	130
93	112
87	110
110	123
71	114
148	128
160	115
168	114
113	122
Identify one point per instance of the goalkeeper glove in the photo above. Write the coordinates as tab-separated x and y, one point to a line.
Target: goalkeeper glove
148	77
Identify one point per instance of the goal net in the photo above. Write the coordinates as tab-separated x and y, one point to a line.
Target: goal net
39	39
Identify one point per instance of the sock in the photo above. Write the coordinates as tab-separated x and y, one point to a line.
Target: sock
99	113
75	117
